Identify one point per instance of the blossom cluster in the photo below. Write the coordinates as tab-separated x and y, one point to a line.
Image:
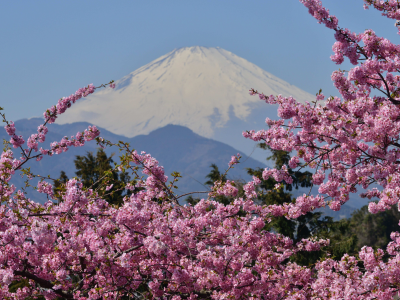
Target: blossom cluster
227	189
210	249
16	141
64	103
151	246
234	160
389	8
50	116
176	251
351	142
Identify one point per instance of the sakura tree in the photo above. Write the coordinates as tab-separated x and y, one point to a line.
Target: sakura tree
153	247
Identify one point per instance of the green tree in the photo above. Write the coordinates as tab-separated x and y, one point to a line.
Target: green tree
374	229
58	186
95	171
213	176
312	224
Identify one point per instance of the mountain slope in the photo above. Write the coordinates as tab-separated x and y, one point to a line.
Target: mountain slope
196	87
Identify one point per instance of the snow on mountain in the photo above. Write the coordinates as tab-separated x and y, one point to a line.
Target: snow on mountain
197	87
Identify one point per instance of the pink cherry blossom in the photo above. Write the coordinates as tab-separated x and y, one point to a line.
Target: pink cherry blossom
81	247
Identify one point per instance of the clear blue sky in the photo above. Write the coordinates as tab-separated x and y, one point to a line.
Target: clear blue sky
50	48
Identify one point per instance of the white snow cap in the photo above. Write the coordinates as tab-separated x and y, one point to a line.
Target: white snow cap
196	87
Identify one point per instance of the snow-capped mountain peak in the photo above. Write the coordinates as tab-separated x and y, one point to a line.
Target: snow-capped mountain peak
197	87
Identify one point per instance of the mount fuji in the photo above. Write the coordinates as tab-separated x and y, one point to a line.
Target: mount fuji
204	89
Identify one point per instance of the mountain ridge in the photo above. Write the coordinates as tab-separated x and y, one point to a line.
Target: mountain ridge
176	148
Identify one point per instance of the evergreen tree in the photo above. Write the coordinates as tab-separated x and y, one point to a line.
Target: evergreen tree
312	224
95	172
58	186
374	229
213	176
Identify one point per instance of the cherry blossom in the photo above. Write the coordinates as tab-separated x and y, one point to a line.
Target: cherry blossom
152	246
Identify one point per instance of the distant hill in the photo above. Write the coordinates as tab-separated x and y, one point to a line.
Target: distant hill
177	148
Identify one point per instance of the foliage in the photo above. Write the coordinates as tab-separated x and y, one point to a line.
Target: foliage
214	175
95	172
373	229
311	224
59	185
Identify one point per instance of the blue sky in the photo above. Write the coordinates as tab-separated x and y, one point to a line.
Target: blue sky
50	48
